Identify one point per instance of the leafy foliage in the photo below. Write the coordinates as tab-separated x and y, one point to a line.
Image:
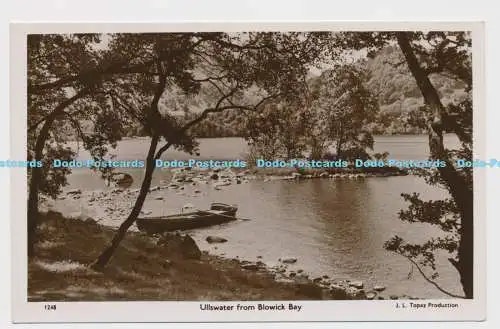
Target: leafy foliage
334	110
346	107
277	131
50	57
441	213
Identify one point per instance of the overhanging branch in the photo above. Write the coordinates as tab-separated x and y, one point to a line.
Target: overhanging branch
60	108
216	109
434	283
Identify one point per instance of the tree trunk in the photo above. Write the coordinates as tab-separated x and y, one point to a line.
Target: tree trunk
106	255
36	176
459	189
36	173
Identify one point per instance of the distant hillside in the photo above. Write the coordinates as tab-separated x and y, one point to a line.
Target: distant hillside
395	87
387	77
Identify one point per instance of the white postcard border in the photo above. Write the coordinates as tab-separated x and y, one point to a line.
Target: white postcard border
182	311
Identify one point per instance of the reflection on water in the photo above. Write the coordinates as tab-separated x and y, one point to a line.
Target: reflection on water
333	227
336	228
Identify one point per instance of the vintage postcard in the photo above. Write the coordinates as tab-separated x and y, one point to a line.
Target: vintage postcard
248	172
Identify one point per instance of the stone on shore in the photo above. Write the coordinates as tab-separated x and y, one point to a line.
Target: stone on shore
118	190
301	279
81	217
189	248
355	293
223	183
288	260
54	214
250	267
338	292
371	295
122	180
215	239
317	280
356	284
310	289
178	245
379	288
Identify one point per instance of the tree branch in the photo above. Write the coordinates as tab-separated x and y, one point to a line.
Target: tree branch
434	283
216	109
76	125
115	97
394	64
81	94
60	108
115	68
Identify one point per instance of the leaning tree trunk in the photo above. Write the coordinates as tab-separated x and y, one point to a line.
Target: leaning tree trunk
36	177
459	189
36	172
105	256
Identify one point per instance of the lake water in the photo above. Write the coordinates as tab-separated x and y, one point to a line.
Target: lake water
333	227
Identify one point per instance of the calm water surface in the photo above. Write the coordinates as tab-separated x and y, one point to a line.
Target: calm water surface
336	227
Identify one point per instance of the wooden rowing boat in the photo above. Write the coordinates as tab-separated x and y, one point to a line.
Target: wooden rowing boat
219	213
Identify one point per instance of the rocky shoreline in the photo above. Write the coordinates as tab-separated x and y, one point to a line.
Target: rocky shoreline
117	201
323	287
320	287
113	205
181	247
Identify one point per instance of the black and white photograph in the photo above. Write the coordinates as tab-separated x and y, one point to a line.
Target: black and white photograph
251	170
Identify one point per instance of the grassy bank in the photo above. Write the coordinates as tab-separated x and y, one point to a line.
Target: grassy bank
143	270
